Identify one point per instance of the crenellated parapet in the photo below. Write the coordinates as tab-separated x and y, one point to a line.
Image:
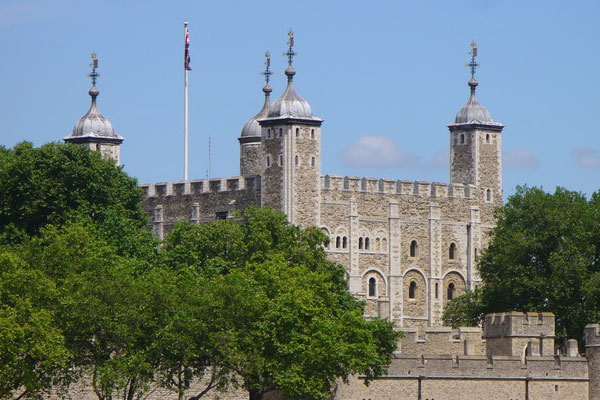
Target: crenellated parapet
397	187
201	186
442	340
516	333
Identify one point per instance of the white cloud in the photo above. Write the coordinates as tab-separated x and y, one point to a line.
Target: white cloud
586	157
520	159
378	152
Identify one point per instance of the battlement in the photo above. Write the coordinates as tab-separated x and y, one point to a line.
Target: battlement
401	187
201	186
556	367
442	340
518	324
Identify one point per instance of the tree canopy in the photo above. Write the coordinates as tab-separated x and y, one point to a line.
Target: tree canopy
86	291
543	256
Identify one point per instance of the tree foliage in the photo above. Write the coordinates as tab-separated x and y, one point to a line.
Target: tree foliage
286	319
543	256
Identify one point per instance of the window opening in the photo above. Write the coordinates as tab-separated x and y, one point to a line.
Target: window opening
345	242
437	290
451	290
367	243
312	133
268	161
337	242
413	248
372	287
488	195
312	162
360	243
412	290
452	251
297	132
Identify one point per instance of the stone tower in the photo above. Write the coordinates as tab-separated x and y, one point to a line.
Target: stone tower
291	141
251	159
476	147
592	353
95	131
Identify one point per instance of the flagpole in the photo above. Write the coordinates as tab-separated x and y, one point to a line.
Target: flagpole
185	103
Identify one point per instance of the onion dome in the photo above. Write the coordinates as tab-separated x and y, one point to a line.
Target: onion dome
473	111
93	126
93	123
252	128
290	104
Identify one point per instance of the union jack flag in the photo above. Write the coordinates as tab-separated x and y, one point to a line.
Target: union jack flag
186	56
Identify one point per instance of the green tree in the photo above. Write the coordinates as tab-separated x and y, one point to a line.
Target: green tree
286	319
543	256
32	348
56	183
108	307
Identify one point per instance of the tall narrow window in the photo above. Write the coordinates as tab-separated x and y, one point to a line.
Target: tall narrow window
462	138
337	242
312	133
297	132
452	251
360	243
269	133
488	195
312	162
345	242
268	161
451	291
372	287
487	138
412	290
280	132
367	243
281	160
296	160
413	248
383	244
437	290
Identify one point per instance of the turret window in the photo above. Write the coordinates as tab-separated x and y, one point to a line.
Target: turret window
452	251
412	290
312	133
487	138
437	290
281	160
269	133
280	132
268	161
451	291
372	287
297	132
462	138
296	160
488	195
414	248
312	162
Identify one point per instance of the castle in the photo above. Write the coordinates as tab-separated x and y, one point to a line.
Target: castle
409	247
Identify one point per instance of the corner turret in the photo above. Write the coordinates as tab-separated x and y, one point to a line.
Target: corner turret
94	130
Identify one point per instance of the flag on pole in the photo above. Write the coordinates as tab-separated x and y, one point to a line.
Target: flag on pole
186	57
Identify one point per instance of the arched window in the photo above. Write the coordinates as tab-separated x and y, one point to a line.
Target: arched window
298	132
345	242
488	195
312	162
452	251
437	290
412	290
372	287
337	242
367	243
377	243
413	248
312	133
487	138
462	138
383	244
360	243
451	291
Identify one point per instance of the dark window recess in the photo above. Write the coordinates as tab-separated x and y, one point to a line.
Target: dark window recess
222	214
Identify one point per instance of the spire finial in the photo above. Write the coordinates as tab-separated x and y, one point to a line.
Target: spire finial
94	64
290	53
473	64
267	72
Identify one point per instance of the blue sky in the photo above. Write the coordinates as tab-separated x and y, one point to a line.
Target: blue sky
386	76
